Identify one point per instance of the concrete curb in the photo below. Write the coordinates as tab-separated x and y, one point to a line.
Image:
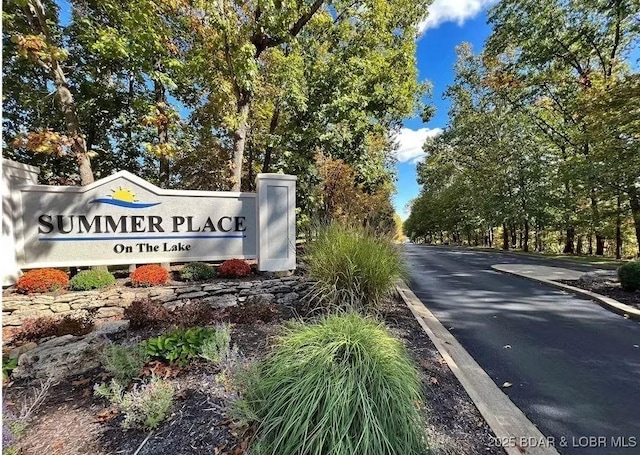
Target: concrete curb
513	430
605	302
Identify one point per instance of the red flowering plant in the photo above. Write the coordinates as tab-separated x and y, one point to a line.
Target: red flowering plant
42	280
149	275
234	268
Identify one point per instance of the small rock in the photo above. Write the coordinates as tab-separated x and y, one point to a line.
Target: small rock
17	352
59	307
188	289
193	295
109	312
223	301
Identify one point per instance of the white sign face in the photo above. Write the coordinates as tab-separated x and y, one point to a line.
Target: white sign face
123	219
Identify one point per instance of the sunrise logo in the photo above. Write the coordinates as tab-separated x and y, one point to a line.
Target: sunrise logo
123	197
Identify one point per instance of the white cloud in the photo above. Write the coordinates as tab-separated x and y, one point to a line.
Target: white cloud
410	143
457	11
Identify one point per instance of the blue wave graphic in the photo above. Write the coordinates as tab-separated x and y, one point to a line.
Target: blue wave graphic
119	203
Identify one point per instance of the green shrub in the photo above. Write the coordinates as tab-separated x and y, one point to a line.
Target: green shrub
216	348
629	275
124	362
197	271
91	279
8	365
343	387
352	268
180	346
144	407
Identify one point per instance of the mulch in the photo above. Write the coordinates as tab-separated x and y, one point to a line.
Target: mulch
72	421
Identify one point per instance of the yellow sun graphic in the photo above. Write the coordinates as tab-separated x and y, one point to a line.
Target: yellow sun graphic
123	195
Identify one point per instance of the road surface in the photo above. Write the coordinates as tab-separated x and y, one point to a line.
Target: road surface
574	366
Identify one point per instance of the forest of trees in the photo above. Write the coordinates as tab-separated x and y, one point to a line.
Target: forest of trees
542	149
205	94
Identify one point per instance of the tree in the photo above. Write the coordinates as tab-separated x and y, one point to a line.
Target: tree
39	46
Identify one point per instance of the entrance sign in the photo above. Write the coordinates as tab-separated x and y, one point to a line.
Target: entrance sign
123	219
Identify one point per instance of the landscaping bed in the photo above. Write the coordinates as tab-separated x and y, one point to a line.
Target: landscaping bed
72	420
611	290
607	283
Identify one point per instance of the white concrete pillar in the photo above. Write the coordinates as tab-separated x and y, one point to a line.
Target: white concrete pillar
13	174
276	222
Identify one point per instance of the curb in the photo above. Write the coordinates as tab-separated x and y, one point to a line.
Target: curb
515	433
605	302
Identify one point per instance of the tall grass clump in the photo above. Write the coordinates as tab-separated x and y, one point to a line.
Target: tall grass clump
352	267
343	386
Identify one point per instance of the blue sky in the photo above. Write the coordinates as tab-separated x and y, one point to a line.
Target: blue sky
450	22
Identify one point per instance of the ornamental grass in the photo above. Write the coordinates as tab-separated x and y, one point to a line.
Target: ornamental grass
343	386
352	268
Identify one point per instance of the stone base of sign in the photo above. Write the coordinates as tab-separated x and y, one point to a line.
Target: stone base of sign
112	301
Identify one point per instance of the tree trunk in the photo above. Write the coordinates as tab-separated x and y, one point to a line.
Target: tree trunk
475	240
526	236
596	223
239	139
579	245
520	238
513	236
64	97
600	244
160	98
505	237
590	244
441	238
275	117
491	237
619	229
634	202
568	246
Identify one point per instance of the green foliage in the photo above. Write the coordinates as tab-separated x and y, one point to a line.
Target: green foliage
180	346
352	268
343	386
216	348
91	279
144	407
197	271
629	275
124	362
8	365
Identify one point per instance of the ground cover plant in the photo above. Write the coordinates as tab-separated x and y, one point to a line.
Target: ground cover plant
124	362
91	279
42	280
234	268
355	392
197	271
145	406
352	267
181	346
149	275
629	275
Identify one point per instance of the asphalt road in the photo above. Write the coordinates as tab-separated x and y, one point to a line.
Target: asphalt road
574	366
